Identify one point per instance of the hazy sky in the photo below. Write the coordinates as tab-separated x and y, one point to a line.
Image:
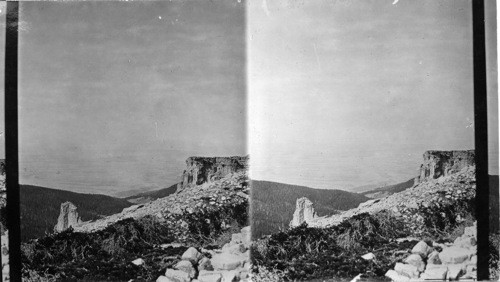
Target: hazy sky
116	95
348	93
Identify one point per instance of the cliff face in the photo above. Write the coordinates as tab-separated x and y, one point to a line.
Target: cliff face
68	217
201	170
444	163
304	212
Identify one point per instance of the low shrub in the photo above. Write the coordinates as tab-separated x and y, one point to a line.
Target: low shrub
306	253
107	254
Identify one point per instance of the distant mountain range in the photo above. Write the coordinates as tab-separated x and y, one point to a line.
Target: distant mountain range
389	189
273	204
40	208
145	197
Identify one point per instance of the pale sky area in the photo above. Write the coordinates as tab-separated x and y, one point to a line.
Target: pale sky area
116	95
351	93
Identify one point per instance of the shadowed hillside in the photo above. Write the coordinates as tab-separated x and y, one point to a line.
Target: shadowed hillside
273	204
151	195
40	208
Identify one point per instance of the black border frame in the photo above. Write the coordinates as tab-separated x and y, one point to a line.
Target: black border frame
11	138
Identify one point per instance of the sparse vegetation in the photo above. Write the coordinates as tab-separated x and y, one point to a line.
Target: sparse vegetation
446	218
306	253
107	254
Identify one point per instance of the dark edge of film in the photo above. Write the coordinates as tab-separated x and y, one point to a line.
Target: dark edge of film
481	138
11	139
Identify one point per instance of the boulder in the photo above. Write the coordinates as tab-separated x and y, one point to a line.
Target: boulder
416	260
138	261
471	231
454	271
422	249
394	276
177	276
164	279
234	249
192	255
368	256
227	261
230	275
465	242
407	270
453	255
433	258
210	277
187	267
435	272
205	264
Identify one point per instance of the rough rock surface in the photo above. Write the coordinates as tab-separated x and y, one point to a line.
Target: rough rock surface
443	163
228	191
444	190
68	217
201	170
455	261
231	263
304	212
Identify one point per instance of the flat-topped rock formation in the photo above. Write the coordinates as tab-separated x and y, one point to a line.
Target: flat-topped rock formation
201	170
229	190
68	217
444	163
446	176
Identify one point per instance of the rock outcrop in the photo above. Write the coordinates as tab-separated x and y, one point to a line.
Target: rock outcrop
440	261
231	263
200	170
68	217
304	212
229	191
444	191
444	163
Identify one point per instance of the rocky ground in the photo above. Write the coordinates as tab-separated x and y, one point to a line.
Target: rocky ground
423	196
231	263
440	261
195	233
373	239
232	189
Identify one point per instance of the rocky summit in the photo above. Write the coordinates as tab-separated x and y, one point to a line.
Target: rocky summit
446	189
201	170
229	190
444	163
